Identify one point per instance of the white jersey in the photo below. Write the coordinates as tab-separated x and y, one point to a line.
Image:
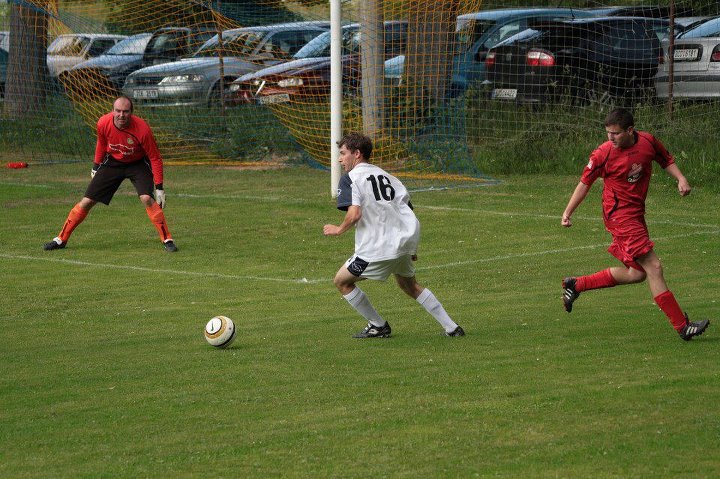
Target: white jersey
388	228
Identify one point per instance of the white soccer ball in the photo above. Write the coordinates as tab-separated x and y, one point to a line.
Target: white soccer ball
220	331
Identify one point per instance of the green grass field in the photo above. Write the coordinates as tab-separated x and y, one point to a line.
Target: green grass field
105	371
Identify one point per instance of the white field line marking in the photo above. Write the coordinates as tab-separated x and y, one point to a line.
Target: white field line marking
315	281
152	270
27	185
559	216
243	197
554	251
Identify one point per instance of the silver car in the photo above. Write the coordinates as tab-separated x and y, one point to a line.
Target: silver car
66	51
196	80
696	69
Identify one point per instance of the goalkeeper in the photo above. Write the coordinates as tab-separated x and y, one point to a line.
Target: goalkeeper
125	148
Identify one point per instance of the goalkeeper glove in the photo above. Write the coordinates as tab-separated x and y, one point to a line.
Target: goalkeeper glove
160	195
94	170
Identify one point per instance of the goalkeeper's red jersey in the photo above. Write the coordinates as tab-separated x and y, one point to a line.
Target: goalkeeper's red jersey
626	173
128	145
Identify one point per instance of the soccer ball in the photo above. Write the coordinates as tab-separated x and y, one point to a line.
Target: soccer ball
220	331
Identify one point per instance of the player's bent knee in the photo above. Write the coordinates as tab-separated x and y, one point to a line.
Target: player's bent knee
639	277
146	200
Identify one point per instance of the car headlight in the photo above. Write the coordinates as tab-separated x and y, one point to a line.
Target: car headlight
182	79
290	82
234	87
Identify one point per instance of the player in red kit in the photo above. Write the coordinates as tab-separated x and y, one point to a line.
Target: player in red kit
625	164
125	148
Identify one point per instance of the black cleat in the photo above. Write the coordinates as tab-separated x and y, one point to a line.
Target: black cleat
372	331
693	328
170	246
569	293
54	244
456	332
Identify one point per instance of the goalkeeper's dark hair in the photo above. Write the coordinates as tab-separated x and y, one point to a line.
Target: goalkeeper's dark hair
620	117
357	141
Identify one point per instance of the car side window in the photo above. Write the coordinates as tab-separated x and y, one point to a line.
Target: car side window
285	44
166	44
99	47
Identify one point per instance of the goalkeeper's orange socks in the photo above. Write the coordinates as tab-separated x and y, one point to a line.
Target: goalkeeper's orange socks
669	305
601	279
156	215
76	216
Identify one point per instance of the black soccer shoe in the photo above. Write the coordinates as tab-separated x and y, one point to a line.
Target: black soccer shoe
693	328
54	245
459	331
372	331
170	246
570	294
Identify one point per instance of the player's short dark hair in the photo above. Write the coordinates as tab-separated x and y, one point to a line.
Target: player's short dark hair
123	97
357	141
620	117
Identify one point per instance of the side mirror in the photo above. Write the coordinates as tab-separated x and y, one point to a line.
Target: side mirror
481	55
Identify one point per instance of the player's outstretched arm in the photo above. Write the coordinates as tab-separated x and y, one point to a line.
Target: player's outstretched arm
684	187
581	191
353	215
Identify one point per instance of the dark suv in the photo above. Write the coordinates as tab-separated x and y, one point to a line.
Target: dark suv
584	60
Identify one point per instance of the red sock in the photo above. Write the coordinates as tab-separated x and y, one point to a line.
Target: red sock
76	216
601	279
156	215
671	308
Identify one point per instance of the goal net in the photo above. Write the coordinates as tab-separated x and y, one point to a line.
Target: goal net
448	90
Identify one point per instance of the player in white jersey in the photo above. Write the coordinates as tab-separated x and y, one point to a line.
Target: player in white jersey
387	234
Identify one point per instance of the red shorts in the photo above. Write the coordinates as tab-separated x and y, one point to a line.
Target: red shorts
631	240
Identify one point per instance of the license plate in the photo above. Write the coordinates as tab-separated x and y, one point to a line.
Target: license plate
143	94
686	54
270	99
504	93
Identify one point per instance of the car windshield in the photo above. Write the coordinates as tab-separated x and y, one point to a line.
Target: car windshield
68	46
233	45
710	28
131	46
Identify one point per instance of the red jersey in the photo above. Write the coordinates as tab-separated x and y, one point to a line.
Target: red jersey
128	145
626	173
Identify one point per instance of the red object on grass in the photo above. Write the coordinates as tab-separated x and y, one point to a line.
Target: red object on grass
17	164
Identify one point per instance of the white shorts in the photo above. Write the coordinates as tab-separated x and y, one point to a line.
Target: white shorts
380	270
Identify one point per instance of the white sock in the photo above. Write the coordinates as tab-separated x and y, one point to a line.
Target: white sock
433	306
361	303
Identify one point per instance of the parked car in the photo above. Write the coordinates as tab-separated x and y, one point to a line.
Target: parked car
480	31
647	11
3	71
308	75
169	44
164	45
706	28
116	64
66	51
696	66
197	80
5	40
583	60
